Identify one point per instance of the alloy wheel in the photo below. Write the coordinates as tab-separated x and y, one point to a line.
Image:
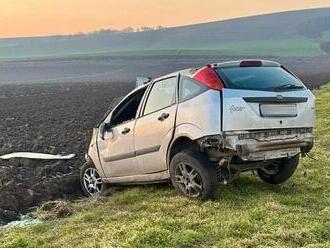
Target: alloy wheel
188	180
92	181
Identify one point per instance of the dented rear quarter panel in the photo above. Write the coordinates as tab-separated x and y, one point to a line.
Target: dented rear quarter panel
199	116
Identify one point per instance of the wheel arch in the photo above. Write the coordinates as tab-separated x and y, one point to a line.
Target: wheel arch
179	144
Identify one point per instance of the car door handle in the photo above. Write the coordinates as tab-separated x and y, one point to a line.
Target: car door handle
163	116
126	130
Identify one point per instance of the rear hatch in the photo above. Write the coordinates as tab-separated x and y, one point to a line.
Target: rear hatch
264	96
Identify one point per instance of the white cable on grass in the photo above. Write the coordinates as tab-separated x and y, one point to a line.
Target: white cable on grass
33	155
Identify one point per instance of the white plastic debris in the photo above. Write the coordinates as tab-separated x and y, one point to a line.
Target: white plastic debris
33	155
25	221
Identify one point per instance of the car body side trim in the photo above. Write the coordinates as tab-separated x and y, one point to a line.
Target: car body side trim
132	154
119	157
147	150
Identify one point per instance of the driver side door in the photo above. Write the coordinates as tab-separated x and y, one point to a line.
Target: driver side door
116	148
116	151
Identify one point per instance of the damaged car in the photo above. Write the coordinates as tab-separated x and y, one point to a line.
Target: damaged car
203	126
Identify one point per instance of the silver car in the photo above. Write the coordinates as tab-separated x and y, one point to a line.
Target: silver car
201	127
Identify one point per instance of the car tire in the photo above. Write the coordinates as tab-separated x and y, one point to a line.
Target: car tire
90	180
193	176
280	171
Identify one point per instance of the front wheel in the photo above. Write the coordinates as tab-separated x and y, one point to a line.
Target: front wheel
90	179
279	171
193	175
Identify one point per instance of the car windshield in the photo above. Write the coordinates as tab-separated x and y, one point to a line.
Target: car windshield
259	78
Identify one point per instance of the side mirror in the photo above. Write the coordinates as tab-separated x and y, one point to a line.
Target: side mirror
103	127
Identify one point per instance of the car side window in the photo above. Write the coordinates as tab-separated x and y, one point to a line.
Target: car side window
189	88
127	110
161	95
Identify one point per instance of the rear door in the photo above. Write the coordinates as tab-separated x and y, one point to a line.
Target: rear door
154	129
264	98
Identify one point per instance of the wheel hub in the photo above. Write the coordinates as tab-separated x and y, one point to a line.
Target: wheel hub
92	181
188	180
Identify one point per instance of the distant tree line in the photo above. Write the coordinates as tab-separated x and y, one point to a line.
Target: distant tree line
126	30
98	34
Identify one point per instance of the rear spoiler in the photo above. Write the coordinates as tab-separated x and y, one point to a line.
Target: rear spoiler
142	80
247	63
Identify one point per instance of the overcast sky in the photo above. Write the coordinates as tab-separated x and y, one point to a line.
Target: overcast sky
47	17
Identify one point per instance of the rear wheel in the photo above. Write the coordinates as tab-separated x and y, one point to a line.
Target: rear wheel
90	179
192	175
280	171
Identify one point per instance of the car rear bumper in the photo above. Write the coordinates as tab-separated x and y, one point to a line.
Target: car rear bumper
264	144
271	150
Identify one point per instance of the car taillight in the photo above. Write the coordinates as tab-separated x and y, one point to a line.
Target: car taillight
208	77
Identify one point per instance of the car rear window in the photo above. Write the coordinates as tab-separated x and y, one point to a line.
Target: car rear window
259	78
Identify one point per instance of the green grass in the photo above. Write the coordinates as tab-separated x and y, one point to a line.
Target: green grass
326	36
247	213
282	48
295	47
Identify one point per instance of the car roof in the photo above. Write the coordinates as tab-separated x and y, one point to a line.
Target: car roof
190	72
186	72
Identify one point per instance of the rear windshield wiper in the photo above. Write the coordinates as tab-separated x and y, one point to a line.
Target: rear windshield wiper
288	87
